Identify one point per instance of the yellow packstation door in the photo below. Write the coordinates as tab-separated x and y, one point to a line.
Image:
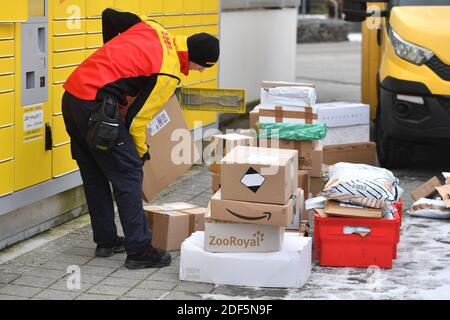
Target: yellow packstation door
33	152
75	29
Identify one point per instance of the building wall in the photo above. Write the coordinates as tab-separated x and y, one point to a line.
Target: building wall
257	45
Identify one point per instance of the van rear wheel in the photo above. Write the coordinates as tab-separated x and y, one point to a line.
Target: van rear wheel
392	153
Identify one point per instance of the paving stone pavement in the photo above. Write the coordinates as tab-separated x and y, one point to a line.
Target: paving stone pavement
42	274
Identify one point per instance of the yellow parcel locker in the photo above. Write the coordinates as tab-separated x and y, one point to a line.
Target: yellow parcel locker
172	21
67	9
94	8
14	10
193	20
62	161
6	31
89	52
6	108
58	92
61	75
6	48
196	119
212	18
152	7
212	29
6	66
210	74
6	177
33	161
193	6
94	41
68	43
94	26
6	143
69	27
68	58
128	5
176	31
173	7
60	135
210	6
6	83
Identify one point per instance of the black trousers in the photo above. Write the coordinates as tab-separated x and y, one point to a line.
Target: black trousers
121	167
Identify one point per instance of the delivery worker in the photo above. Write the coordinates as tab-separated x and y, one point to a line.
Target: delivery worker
133	74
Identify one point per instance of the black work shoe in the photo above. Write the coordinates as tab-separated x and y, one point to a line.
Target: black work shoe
105	251
150	258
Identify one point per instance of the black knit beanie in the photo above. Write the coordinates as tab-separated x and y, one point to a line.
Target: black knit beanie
203	49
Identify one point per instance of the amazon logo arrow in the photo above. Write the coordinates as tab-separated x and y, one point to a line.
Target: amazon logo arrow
265	215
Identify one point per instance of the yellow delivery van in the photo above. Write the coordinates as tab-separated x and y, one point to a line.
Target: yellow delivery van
405	72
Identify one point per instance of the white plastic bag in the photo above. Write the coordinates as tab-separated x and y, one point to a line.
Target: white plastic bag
429	208
361	184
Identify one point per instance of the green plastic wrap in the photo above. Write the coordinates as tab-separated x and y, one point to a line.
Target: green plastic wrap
292	131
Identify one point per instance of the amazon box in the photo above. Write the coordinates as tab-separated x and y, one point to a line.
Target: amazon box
259	175
169	159
215	182
340	209
288	268
172	223
257	213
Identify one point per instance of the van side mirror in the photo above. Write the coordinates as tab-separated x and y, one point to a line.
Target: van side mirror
355	10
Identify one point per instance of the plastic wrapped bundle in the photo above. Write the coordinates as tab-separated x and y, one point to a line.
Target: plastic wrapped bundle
362	184
429	208
292	131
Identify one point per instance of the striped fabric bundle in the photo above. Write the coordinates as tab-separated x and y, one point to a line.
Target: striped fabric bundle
361	184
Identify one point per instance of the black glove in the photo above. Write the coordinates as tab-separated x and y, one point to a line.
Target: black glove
146	156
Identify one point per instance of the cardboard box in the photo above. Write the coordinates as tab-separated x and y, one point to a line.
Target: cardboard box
339	209
305	149
221	144
215	168
354	153
317	160
299	212
221	236
426	190
304	181
347	135
215	182
343	114
286	114
253	117
444	192
163	169
259	175
172	223
288	268
316	186
257	213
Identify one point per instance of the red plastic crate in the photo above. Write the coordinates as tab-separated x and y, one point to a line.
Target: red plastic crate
335	249
399	207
